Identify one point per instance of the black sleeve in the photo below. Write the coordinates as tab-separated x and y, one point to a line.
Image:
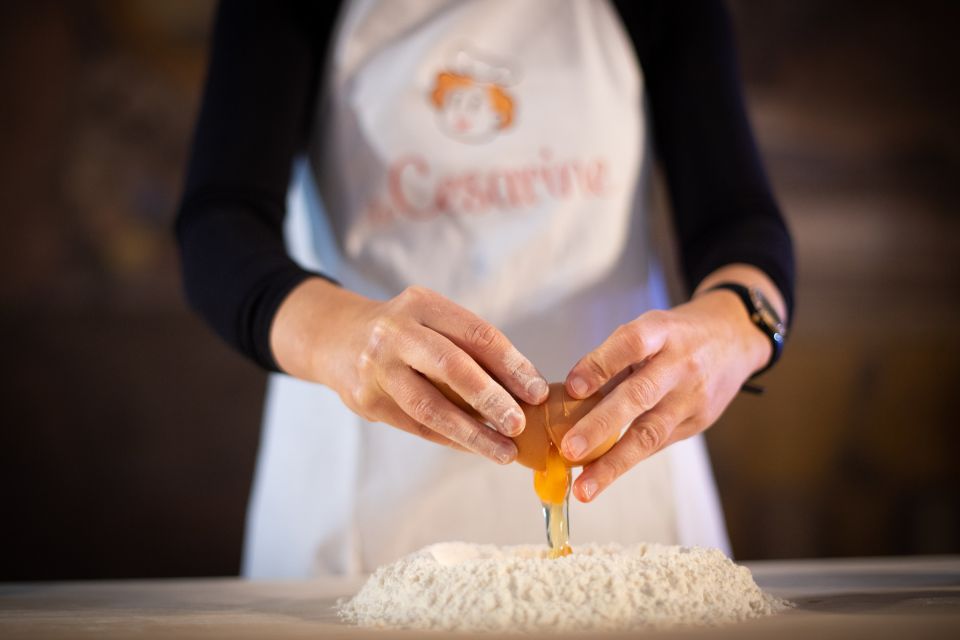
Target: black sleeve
723	207
256	111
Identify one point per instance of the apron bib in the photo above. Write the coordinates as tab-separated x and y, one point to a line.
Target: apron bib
495	152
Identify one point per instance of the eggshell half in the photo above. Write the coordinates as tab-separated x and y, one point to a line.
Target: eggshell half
546	424
562	412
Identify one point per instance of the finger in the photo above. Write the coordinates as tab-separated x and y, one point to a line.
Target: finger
629	344
435	356
637	394
489	347
424	403
388	412
650	433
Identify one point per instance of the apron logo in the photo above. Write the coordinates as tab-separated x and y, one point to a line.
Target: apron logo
471	98
417	190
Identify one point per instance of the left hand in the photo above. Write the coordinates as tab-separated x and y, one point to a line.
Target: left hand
669	375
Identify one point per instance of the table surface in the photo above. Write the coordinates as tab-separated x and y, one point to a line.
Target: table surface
916	597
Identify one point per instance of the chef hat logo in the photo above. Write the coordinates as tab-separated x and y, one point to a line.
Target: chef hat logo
471	95
482	67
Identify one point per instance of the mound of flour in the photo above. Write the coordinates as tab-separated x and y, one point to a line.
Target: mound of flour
465	587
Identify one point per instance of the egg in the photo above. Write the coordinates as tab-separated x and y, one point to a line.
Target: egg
538	447
549	422
546	425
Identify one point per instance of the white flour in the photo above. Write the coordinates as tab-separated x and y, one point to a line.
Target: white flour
465	587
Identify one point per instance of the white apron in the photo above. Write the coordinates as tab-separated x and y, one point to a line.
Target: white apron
496	152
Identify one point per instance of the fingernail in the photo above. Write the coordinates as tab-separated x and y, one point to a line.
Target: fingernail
575	446
589	488
579	386
538	389
513	421
505	453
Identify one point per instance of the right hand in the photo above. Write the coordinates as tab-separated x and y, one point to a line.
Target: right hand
383	359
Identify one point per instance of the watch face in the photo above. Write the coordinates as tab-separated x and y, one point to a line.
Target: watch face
766	313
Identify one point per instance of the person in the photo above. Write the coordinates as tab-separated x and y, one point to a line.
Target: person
385	196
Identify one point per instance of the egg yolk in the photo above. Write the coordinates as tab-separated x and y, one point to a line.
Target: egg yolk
553	488
552	483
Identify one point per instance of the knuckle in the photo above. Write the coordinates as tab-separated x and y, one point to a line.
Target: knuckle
633	338
491	402
470	438
699	388
641	392
415	293
365	361
360	396
655	316
650	436
483	335
619	465
424	410
364	402
706	416
517	366
596	368
450	362
630	454
694	367
603	424
381	330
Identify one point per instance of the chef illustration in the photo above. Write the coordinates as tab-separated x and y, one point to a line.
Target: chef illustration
414	241
472	100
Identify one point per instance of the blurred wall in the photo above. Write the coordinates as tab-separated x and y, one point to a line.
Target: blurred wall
130	432
851	451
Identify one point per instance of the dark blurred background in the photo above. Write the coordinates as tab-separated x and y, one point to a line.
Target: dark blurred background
130	432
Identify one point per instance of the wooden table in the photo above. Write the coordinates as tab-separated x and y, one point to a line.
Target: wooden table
900	598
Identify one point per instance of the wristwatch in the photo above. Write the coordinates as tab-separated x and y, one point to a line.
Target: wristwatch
763	315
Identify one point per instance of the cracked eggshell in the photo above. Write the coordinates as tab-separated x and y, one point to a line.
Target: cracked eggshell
549	422
546	423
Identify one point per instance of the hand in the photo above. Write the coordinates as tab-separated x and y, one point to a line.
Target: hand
670	375
383	359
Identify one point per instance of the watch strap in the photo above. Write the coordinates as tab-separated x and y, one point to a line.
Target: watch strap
776	337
